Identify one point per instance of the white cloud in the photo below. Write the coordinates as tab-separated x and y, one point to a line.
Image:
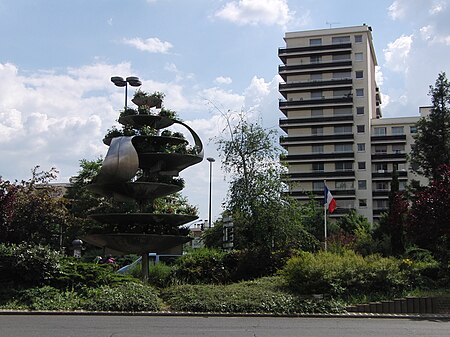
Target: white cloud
255	12
397	52
379	78
152	44
223	80
437	7
396	10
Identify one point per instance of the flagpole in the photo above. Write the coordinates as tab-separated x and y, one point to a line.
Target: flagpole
325	212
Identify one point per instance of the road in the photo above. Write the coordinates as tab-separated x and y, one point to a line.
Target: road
149	326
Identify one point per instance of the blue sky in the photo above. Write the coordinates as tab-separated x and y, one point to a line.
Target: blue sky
56	59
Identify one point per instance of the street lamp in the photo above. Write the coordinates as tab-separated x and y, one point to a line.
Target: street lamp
120	82
211	161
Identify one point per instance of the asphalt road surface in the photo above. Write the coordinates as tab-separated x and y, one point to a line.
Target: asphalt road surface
149	326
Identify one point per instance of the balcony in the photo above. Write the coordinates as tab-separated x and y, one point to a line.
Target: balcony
299	86
315	102
285	141
310	156
284	53
387	175
284	70
319	175
337	193
389	156
286	123
388	139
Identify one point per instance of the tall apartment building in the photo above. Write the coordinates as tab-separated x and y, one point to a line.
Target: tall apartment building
334	125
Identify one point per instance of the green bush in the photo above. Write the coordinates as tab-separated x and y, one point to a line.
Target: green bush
49	298
344	274
160	275
125	297
25	264
265	295
74	274
201	266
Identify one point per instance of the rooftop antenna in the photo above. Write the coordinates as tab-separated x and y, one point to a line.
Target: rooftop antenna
332	23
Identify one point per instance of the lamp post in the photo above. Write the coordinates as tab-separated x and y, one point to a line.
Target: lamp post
120	82
211	161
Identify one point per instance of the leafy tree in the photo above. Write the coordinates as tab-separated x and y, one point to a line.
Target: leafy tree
432	141
263	216
32	211
429	218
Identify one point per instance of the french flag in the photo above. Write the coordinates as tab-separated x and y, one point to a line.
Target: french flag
329	200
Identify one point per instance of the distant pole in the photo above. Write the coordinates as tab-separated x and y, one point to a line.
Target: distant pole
325	188
120	82
211	161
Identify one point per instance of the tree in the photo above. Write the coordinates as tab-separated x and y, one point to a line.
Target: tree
263	216
429	217
432	141
32	211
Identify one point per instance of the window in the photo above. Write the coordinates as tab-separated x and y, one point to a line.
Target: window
381	167
380	149
413	129
342	111
344	185
381	186
359	57
402	185
315	77
343	148
361	147
358	38
381	204
341	93
362	203
317	167
359	92
379	131
343	129
317	148
361	165
362	184
341	57
316	112
360	110
359	74
316	94
315	42
360	128
398	148
317	130
317	185
397	130
315	59
341	74
340	39
343	166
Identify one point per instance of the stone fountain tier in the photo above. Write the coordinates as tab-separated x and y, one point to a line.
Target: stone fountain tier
169	164
141	120
131	191
127	243
170	220
151	140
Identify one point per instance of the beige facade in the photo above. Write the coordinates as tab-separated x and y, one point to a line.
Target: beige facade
333	122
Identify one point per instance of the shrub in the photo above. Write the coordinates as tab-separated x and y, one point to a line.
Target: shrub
125	297
160	275
76	274
201	266
344	274
49	298
264	295
25	264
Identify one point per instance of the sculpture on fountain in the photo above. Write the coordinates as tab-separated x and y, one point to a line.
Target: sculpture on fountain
142	164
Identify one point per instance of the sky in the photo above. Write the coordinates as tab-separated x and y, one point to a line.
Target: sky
208	56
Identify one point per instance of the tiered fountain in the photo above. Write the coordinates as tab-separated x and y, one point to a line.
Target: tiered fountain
142	168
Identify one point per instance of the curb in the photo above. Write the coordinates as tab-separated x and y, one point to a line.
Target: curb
212	314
